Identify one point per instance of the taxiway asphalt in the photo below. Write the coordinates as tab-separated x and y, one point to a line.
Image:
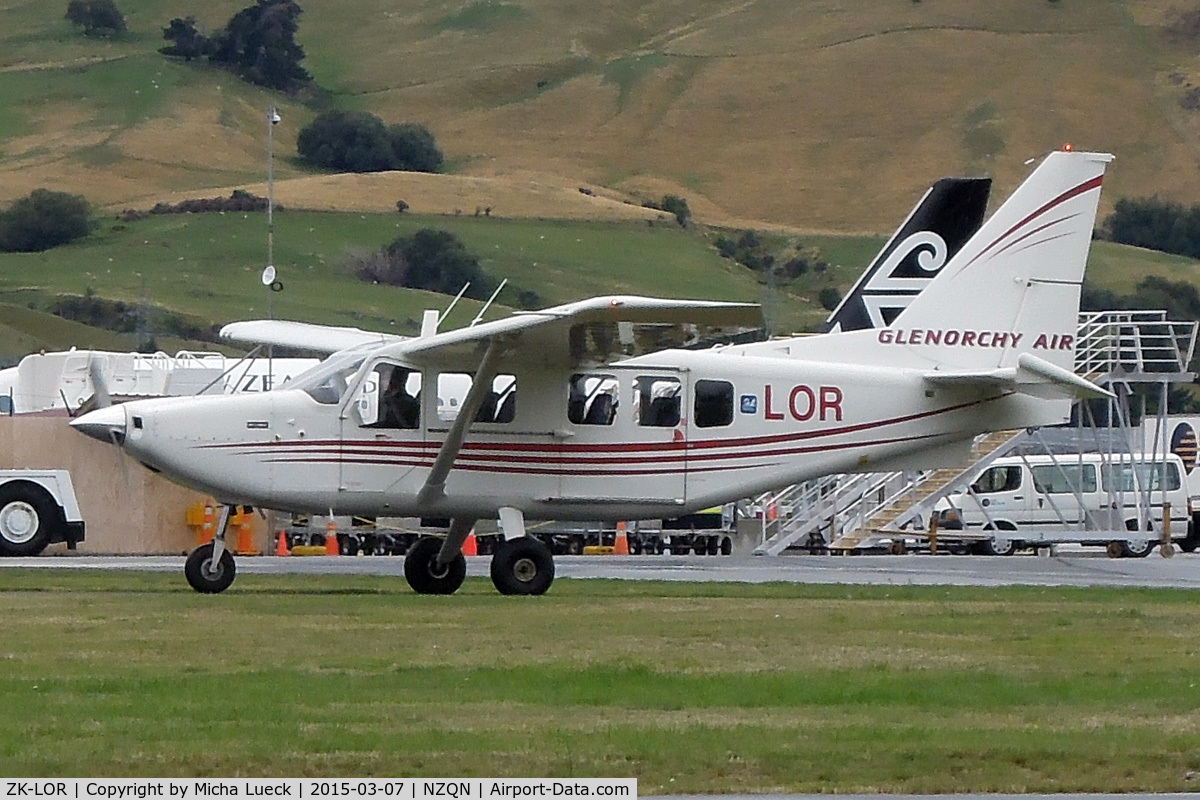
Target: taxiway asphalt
1073	569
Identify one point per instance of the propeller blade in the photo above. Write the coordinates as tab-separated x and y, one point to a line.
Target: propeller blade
100	395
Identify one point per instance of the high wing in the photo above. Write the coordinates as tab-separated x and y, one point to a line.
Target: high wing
590	332
324	339
587	333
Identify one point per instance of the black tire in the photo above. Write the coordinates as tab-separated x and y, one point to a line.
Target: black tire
425	575
992	548
1129	551
1189	544
522	566
575	546
726	545
201	574
714	545
28	519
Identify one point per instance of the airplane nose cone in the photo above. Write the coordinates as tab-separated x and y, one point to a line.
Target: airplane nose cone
105	424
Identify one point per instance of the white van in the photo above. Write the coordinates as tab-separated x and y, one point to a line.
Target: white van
1084	494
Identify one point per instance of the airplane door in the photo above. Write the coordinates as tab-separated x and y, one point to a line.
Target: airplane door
382	435
628	436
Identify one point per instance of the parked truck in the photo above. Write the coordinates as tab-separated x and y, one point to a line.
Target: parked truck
37	509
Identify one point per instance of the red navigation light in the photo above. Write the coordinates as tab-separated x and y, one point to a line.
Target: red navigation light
1068	147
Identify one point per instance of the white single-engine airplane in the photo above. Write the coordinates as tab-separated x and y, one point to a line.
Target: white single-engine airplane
576	411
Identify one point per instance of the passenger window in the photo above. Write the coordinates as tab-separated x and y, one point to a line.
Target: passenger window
998	479
593	399
396	392
657	401
1064	478
714	404
499	404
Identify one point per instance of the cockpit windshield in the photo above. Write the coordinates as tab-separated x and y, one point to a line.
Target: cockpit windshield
327	381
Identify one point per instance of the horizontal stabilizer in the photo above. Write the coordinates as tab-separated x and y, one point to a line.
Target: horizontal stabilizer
1032	375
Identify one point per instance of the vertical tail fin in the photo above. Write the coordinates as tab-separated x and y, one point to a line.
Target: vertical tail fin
1014	287
946	217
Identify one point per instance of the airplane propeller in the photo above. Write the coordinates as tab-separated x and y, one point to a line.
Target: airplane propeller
102	398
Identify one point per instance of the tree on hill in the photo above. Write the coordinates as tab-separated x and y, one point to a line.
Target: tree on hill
1156	224
189	42
42	220
430	259
258	44
98	17
357	141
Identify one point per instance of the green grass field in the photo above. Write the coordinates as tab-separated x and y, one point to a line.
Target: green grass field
689	688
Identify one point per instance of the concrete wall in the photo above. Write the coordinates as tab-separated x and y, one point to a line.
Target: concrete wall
127	508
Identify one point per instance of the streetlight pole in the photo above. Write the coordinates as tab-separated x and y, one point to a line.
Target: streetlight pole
272	121
268	276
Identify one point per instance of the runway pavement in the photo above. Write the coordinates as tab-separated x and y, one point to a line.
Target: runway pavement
1079	568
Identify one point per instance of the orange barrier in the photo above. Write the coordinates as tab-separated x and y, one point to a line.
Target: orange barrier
621	545
470	547
281	548
331	540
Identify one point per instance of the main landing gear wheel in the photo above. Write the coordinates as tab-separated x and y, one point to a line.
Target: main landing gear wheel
522	566
206	577
425	575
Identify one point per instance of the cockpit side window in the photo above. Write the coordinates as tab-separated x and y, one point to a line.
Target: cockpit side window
399	393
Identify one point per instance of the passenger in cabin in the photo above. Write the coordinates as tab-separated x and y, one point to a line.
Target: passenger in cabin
398	408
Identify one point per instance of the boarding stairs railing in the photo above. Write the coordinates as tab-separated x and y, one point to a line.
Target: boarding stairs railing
808	513
917	498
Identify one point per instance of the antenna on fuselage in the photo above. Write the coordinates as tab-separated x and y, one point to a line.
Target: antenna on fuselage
454	302
431	319
488	304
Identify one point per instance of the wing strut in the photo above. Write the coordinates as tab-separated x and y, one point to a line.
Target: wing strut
435	484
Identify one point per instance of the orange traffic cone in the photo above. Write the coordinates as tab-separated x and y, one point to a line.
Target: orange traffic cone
621	545
470	546
206	529
281	548
331	542
245	542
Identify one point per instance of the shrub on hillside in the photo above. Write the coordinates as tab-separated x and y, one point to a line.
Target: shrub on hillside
430	259
98	17
672	204
44	219
357	141
829	298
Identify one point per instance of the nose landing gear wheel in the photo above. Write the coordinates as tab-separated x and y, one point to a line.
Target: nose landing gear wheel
425	575
522	566
206	577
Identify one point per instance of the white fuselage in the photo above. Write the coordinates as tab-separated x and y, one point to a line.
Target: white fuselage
745	424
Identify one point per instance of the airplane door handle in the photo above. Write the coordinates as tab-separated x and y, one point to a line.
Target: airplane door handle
1018	497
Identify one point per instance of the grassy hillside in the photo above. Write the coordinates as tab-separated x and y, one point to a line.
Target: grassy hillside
205	267
818	114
